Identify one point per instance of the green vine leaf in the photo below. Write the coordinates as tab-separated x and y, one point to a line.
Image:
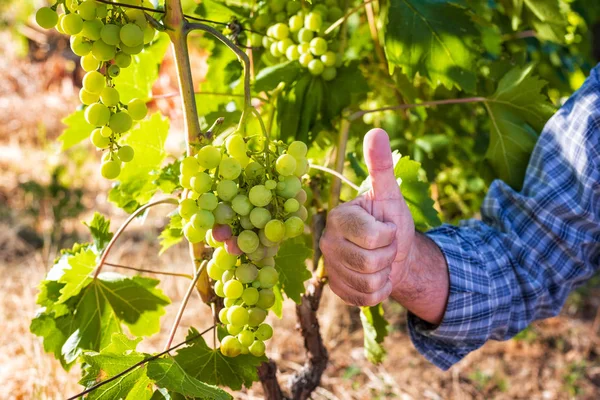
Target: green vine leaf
76	274
290	262
518	111
435	39
375	329
269	78
172	233
99	227
77	130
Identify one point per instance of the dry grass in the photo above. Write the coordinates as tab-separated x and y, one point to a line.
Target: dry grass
556	359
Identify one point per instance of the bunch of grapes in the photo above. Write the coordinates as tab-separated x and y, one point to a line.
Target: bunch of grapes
298	34
244	204
105	37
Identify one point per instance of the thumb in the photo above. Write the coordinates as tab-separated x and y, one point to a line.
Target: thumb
378	155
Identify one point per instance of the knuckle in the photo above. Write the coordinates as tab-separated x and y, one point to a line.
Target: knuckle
371	299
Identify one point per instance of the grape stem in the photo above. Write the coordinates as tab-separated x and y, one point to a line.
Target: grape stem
183	305
149	271
137	212
141	363
337	175
264	131
114	3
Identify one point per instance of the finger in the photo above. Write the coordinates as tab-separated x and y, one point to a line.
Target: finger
359	227
365	283
378	155
355	298
366	261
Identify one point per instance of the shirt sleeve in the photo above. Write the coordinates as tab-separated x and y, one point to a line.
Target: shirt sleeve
531	248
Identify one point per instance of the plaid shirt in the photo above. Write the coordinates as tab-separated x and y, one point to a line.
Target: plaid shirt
532	247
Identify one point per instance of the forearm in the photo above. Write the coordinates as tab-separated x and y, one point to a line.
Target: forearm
423	287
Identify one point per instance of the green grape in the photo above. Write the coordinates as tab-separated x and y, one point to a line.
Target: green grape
256	284
88	98
137	109
72	24
120	122
201	182
256	40
257	348
224	214
313	21
208	201
260	196
230	168
264	240
234	329
301	168
114	71
305	36
291	187
320	9
266	42
250	296
98	140
291	205
110	96
233	289
268	277
87	10
267	261
266	299
316	67
131	50
246	223
110	34
277	5
283	45
271	184
79	46
329	73
189	166
275	230
292	7
274	49
292	53
227	190
187	208
123	60
224	259
294	226
231	347
241	204
126	153
246	337
214	271
254	170
305	59
59	28
257	315
236	146
106	131
203	220
101	11
46	17
329	59
226	277
184	181
248	242
223	316
296	23
259	217
257	254
89	63
264	332
91	29
209	157
285	165
301	196
302	213
237	315
192	234
210	240
219	289
246	273
97	114
334	13
137	17
131	35
280	31
94	82
261	22
110	169
318	46
304	48
298	150
103	51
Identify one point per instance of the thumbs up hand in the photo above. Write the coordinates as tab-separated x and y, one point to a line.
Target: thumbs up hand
367	241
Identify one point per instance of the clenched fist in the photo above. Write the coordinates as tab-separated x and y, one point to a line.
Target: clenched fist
367	241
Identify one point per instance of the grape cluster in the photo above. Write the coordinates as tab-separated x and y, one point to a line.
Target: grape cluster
244	204
297	34
105	37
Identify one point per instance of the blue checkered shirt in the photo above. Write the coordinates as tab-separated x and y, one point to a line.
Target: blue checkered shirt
531	248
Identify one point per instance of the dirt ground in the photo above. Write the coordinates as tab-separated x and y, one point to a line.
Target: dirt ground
555	359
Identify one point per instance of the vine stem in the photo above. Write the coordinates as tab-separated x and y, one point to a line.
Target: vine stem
150	271
242	57
183	305
139	364
137	212
114	3
343	19
337	175
434	103
374	33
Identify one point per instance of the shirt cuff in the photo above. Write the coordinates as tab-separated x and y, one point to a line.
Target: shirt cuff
466	324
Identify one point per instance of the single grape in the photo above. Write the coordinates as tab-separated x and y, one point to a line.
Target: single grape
284	44
296	23
248	242
264	240
192	234
241	204
292	53
260	196
267	261
223	316
149	34
250	295
214	271
224	214
46	17
203	220
261	22
89	63
208	201
318	46
80	46
131	50
268	277
280	31
264	332
91	29
233	329
291	205
320	9
224	259
305	35
285	165
114	71
221	232
257	254
137	109
97	114
254	170
219	289
187	208
230	168
106	131
231	347
334	13
123	60
291	187
103	51
256	315
110	34
259	217
233	289
98	140
329	58
257	348
237	315
88	98
302	213
274	49
246	223
110	96
301	196
209	157
87	10
210	240
329	73
59	28
201	182
256	40
101	11
120	122
301	168
236	146
305	59
275	230
266	299
72	24
94	82
137	17
246	337
232	247
294	226
126	153
271	184
313	21
226	277
189	166
298	150
316	67
131	35
111	169
277	5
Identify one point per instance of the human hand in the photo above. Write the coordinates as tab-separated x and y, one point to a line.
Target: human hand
367	241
